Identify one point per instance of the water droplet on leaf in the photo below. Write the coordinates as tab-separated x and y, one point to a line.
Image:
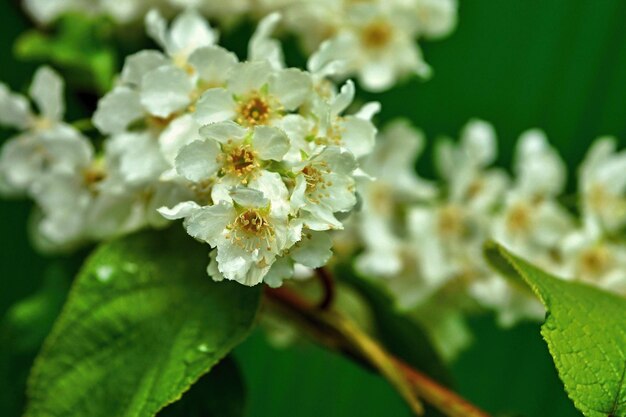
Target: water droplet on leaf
104	273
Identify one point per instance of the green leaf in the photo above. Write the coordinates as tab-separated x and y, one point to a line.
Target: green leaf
586	334
220	393
143	322
80	45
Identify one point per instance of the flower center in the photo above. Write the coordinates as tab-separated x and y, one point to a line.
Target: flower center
240	161
451	221
254	111
595	261
376	35
251	230
316	182
519	219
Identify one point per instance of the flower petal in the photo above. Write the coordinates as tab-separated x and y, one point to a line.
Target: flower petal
179	211
291	86
270	143
139	64
224	132
249	76
358	135
215	105
314	250
117	110
14	109
213	64
165	90
198	160
47	91
190	31
208	223
180	132
262	46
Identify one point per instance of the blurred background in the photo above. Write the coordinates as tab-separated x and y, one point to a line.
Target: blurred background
558	65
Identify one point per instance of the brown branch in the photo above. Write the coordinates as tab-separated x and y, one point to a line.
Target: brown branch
328	285
323	326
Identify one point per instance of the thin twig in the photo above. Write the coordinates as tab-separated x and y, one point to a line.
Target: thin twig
323	327
328	285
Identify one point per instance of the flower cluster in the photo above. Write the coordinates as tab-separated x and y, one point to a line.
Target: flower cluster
375	40
425	241
259	160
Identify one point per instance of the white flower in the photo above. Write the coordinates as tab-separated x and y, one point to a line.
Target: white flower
511	303
593	259
324	186
602	188
354	132
436	18
188	32
392	162
395	182
255	94
378	44
230	155
247	234
531	222
46	145
313	251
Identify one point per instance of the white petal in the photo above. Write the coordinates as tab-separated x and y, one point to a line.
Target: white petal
314	250
270	143
215	105
274	189
249	76
538	166
117	110
213	64
377	76
368	111
343	99
237	265
291	86
198	160
142	161
180	132
20	163
358	135
14	109
212	269
190	31
179	211
248	197
339	161
479	140
224	132
139	64
331	52
112	214
156	27
165	90
47	91
281	270
262	46
208	223
320	218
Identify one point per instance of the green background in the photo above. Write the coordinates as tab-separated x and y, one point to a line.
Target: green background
555	64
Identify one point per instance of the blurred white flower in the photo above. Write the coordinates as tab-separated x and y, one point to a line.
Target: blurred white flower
602	188
45	144
377	43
